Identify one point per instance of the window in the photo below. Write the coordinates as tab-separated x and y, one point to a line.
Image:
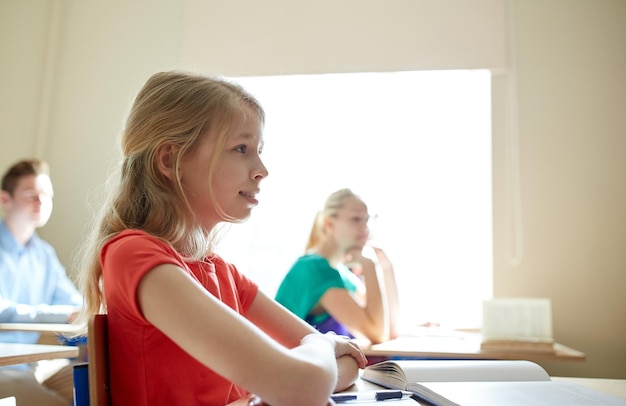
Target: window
416	146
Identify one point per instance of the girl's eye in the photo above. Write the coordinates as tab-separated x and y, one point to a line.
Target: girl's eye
360	220
241	148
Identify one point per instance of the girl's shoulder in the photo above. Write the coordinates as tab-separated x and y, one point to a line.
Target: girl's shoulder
313	258
218	262
313	261
130	235
133	239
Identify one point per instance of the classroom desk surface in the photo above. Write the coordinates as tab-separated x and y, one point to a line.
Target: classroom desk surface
430	343
52	328
11	353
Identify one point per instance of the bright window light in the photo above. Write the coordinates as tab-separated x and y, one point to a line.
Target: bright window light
416	146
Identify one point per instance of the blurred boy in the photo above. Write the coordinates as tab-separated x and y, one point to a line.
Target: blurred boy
34	286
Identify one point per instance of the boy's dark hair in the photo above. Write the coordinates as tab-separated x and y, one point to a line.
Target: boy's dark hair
23	168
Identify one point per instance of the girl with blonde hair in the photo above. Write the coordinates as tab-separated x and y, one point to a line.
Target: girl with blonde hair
185	326
334	286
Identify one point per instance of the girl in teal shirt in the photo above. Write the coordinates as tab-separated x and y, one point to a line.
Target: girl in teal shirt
334	287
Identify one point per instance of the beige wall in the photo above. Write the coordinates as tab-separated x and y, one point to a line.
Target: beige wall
71	68
570	63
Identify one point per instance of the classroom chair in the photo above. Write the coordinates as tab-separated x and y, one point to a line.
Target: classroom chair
98	352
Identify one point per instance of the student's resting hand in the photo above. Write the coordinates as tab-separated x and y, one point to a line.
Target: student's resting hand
358	263
343	346
346	346
383	260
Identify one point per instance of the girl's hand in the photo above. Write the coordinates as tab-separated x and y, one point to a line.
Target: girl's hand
346	346
383	260
342	345
256	401
357	263
250	400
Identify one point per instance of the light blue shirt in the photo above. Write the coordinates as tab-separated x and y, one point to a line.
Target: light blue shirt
34	287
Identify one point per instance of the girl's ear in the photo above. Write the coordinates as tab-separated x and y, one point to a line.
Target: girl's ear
328	224
165	160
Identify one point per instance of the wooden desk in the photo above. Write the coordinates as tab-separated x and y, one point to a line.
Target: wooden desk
437	344
51	334
43	328
11	353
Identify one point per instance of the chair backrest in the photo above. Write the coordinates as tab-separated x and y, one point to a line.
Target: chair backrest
98	353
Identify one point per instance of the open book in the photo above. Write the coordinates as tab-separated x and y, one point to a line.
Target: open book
482	382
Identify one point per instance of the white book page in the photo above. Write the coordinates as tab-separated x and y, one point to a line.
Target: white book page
472	370
538	393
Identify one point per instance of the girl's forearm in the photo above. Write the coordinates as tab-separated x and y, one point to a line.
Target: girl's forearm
347	372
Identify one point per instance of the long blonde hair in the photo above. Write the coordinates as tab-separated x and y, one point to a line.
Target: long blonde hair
177	109
332	205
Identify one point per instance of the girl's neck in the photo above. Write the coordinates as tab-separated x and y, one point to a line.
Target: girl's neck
331	251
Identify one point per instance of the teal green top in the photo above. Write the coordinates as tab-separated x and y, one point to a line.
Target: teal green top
307	281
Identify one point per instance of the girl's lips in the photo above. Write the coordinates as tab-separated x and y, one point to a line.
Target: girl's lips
250	197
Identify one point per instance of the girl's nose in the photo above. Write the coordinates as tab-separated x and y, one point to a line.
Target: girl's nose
261	172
